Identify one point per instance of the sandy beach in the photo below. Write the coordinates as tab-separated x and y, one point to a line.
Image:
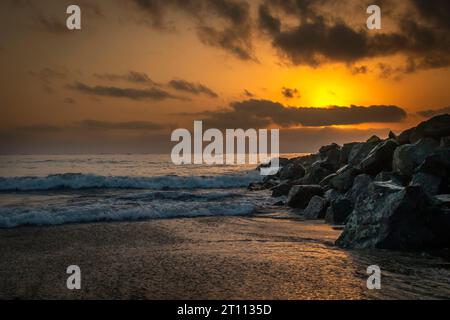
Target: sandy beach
272	256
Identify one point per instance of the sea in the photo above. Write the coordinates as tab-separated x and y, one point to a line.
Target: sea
60	189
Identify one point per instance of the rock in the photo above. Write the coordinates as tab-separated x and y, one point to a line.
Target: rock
430	183
409	156
359	188
380	158
445	142
360	151
373	139
308	160
281	162
315	173
330	156
393	217
282	189
404	137
338	211
331	195
300	195
343	179
437	163
436	127
389	176
345	152
326	181
293	170
279	203
443	200
316	208
392	135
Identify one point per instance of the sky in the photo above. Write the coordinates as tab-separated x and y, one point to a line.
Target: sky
138	69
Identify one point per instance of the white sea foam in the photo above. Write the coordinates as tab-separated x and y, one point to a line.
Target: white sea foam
79	181
14	217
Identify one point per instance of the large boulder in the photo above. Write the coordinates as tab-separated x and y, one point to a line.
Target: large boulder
436	127
315	173
437	163
390	176
281	189
339	211
359	188
380	158
429	182
403	138
330	156
300	195
445	142
293	170
345	152
394	217
343	179
360	150
316	208
409	156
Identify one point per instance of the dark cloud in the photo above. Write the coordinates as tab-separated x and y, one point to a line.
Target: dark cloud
131	76
320	37
232	34
130	125
262	113
434	112
129	93
290	93
48	76
360	70
193	88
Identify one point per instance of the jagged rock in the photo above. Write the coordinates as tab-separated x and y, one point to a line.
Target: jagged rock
326	181
389	176
330	156
409	156
437	163
380	158
445	142
404	137
338	211
345	152
392	135
359	151
443	200
300	195
373	139
308	160
343	179
394	217
331	195
281	162
293	170
316	208
430	183
315	173
436	127
360	187
282	189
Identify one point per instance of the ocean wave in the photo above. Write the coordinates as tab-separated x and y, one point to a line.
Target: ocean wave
77	181
15	217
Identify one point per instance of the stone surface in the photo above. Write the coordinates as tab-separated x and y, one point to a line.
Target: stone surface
300	195
409	156
436	127
293	170
345	152
430	183
339	211
343	179
394	217
316	208
403	138
360	151
385	176
315	173
380	158
360	187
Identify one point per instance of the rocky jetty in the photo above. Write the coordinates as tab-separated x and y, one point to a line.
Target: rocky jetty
391	193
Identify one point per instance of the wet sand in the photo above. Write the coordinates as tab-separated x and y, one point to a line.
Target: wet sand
257	257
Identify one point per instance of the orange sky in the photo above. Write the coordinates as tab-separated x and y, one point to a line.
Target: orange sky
41	64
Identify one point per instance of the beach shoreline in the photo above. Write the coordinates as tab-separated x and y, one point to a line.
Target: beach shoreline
264	256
